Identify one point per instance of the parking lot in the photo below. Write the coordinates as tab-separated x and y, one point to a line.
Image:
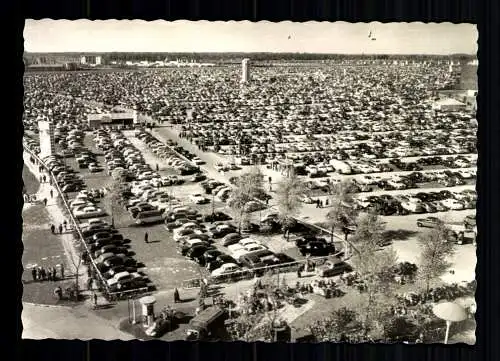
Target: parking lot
405	158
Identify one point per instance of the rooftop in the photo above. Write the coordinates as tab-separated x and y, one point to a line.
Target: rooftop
448	101
100	116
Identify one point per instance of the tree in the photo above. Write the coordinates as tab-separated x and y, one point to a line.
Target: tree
119	187
342	212
76	260
342	325
288	198
376	270
248	187
256	323
369	229
435	249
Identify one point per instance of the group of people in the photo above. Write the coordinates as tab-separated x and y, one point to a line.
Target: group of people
62	227
321	204
50	274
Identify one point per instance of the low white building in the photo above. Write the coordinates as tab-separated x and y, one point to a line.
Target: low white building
448	105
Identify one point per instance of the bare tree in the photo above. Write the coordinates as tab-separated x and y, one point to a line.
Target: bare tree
249	187
342	212
435	249
76	260
288	198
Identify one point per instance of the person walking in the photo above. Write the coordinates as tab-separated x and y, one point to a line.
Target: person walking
44	178
53	229
60	228
62	271
45	202
43	273
49	273
95	299
51	193
65	225
146	237
176	296
33	273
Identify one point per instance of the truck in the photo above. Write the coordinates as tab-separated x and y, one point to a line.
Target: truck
206	325
340	166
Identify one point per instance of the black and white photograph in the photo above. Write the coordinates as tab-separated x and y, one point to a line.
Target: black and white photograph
250	181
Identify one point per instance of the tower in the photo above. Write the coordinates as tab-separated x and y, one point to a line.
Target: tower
47	143
245	70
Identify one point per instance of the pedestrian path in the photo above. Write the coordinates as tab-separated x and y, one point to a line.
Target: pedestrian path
57	216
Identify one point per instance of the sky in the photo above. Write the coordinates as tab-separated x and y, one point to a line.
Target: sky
203	36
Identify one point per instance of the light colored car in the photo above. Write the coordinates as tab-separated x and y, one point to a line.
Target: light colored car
93	222
235	247
89	212
452	204
198	199
225	269
247	241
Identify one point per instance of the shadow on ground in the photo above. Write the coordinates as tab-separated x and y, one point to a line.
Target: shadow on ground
399	234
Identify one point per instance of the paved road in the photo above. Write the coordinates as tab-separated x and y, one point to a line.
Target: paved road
40	322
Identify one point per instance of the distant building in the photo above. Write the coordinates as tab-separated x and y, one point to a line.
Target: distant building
245	70
91	60
47	142
448	105
111	119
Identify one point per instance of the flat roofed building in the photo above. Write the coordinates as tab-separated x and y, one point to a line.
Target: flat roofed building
111	119
448	105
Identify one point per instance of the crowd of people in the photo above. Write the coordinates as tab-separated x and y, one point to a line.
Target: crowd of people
40	273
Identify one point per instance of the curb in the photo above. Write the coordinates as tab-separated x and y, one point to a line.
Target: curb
46	306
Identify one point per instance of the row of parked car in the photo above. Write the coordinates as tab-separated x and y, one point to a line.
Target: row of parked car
196	235
67	179
112	256
104	244
165	151
422	202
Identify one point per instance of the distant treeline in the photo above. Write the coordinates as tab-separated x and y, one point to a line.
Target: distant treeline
236	57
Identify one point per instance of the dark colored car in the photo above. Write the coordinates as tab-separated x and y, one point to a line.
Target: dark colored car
197	252
317	248
429	222
216	216
231	238
470	221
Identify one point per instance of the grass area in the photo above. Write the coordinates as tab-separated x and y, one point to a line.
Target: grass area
41	248
30	182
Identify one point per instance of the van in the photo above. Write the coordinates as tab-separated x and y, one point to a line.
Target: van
148	217
206	324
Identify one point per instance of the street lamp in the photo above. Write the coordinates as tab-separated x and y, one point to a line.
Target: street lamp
131	310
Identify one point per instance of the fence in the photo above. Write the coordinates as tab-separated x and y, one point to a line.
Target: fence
260	271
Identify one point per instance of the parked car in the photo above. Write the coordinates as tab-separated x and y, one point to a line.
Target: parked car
225	269
430	222
333	267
